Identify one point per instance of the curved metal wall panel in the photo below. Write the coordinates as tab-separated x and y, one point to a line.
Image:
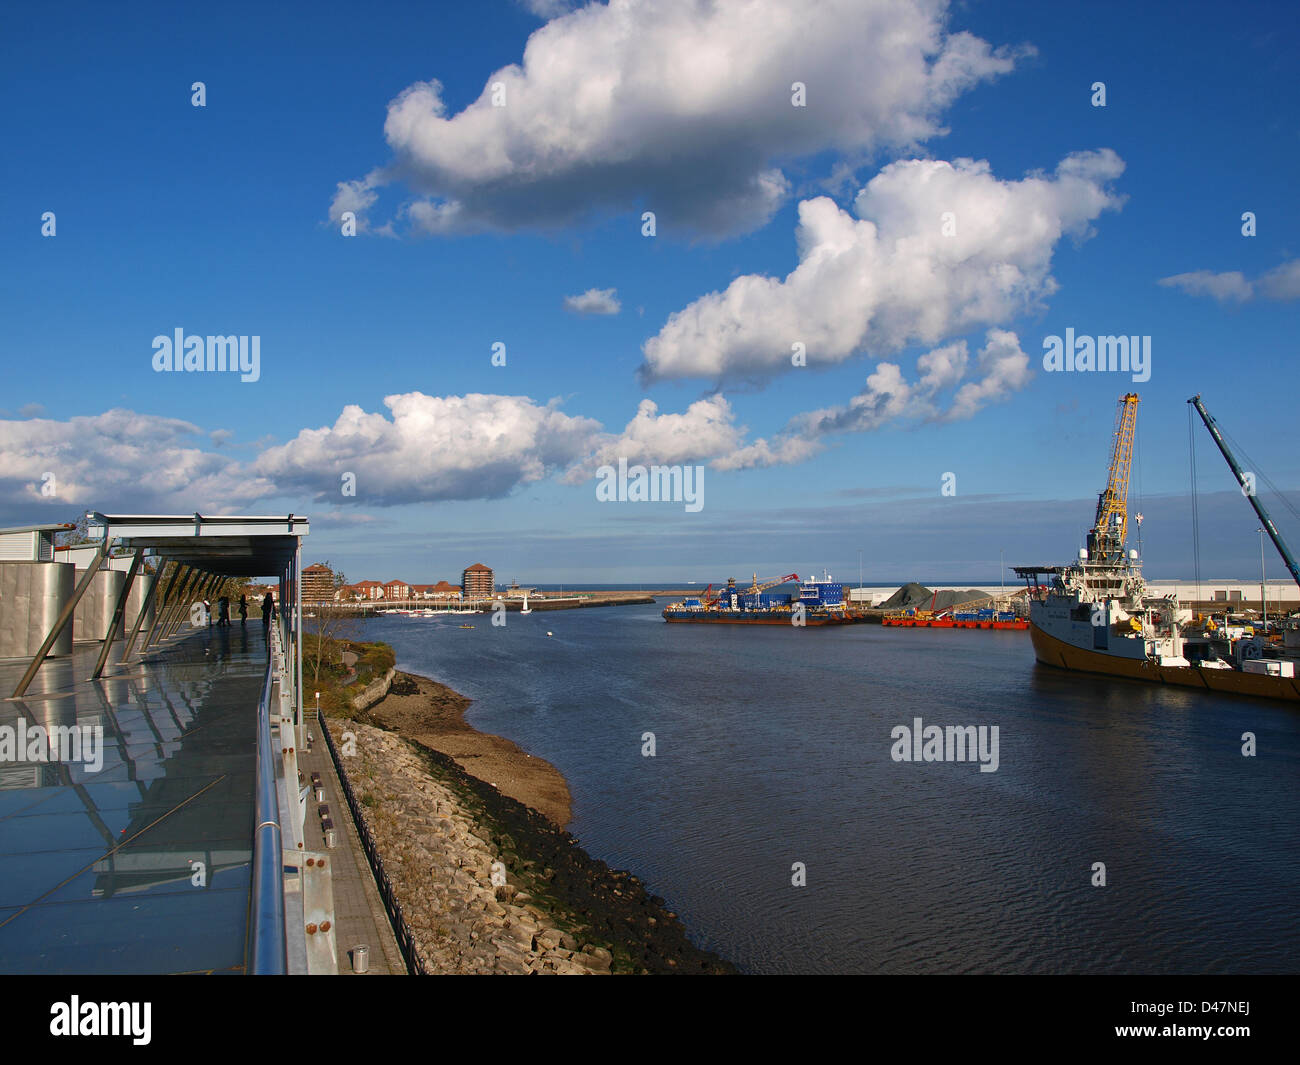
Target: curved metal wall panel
95	611
31	596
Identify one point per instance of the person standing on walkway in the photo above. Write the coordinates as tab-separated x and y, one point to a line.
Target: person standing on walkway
243	610
268	608
223	612
207	612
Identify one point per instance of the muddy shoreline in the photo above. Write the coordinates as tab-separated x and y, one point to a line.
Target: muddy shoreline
433	715
517	806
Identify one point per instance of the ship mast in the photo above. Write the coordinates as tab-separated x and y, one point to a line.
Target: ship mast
1106	541
1247	488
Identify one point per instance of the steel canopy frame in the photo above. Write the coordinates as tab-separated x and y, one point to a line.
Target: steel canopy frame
208	547
205	551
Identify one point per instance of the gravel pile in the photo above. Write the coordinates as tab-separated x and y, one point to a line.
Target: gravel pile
918	596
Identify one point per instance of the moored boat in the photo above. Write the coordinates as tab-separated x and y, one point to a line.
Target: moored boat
819	602
1096	615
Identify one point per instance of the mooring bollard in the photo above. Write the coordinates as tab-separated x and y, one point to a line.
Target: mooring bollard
360	959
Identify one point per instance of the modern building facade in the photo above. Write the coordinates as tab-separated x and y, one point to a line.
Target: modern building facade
317	584
476	582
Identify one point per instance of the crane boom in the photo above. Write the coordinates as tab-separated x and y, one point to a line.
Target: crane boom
775	582
1247	488
1106	541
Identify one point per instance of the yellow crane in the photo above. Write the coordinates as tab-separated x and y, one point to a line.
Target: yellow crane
1106	541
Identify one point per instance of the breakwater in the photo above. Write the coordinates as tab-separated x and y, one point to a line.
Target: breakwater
576	601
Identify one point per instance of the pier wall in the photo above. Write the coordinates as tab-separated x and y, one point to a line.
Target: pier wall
374	691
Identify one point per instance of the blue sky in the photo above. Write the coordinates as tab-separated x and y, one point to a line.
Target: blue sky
476	223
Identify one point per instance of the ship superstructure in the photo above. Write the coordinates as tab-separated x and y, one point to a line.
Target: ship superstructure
1096	615
818	602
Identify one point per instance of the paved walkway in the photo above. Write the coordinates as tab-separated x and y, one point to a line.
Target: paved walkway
359	914
133	854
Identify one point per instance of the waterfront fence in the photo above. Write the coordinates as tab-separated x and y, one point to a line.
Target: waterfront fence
405	937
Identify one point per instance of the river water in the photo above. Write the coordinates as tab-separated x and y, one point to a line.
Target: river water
773	747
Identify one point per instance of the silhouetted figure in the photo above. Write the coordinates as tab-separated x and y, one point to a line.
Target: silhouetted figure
268	608
223	612
243	610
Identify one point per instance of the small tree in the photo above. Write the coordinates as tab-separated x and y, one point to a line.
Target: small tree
79	535
328	631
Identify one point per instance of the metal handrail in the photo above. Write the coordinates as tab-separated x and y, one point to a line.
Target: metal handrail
267	903
406	941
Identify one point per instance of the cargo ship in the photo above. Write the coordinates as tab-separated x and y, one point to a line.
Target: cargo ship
1095	615
817	603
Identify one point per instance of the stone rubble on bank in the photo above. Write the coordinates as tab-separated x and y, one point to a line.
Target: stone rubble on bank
442	873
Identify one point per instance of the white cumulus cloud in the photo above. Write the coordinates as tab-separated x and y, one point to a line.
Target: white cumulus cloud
681	107
549	8
1282	283
1002	366
936	249
355	196
119	459
1230	287
428	448
594	301
704	431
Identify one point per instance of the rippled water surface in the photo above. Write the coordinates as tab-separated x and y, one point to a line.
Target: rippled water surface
773	747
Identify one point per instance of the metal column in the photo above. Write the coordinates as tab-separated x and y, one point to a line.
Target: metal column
164	608
164	621
144	610
118	610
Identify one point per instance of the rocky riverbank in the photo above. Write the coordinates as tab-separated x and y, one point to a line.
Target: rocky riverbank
486	882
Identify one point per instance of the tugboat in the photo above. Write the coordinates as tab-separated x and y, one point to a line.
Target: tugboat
1095	615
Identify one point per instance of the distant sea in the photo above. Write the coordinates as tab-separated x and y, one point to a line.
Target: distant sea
773	747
